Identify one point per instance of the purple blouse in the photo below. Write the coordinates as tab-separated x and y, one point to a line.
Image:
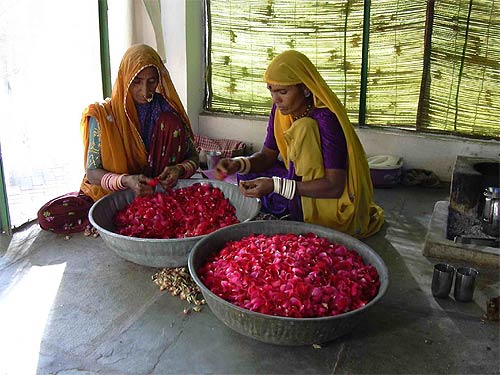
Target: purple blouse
333	143
148	114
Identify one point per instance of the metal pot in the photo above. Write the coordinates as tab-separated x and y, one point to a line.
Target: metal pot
490	222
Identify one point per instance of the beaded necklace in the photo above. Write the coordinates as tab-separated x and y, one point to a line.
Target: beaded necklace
306	112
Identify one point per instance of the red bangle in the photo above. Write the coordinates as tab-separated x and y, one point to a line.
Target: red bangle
182	170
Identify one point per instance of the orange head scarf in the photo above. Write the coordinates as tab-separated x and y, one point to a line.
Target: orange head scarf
122	148
354	212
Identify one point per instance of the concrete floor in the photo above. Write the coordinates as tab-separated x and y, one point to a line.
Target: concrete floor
71	306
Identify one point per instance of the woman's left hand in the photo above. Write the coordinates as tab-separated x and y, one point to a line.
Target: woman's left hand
256	188
168	178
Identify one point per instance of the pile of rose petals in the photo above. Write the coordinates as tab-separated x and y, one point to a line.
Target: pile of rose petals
290	275
195	210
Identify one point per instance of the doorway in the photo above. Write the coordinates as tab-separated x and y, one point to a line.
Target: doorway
49	71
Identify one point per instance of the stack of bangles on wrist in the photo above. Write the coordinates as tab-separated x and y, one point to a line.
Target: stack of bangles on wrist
187	168
245	164
113	181
284	187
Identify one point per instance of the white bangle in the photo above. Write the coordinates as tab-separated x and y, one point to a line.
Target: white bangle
277	184
285	187
241	163
245	164
289	187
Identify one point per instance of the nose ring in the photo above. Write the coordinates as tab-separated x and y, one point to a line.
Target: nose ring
149	99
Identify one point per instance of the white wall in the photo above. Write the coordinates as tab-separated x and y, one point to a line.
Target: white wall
426	151
429	151
173	16
184	38
183	31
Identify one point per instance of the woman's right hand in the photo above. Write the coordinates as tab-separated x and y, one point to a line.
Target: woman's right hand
226	167
139	184
256	188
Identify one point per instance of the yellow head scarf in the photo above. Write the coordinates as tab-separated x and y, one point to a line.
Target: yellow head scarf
122	148
354	212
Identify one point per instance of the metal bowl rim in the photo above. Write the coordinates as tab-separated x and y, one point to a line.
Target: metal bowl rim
154	240
204	289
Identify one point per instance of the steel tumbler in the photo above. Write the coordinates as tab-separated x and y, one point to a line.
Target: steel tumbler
442	278
464	284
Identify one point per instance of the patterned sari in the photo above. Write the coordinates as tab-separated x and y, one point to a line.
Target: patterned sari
130	138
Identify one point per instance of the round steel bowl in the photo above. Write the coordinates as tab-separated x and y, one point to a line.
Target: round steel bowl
159	252
275	329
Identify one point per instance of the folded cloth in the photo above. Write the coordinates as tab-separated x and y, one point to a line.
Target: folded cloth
67	213
227	147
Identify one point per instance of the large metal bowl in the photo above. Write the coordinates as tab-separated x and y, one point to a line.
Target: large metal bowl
276	329
159	252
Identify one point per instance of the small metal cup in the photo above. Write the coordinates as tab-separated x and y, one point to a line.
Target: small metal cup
464	284
213	158
442	278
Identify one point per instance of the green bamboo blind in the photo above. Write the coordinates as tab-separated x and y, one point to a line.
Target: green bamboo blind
245	35
463	95
396	47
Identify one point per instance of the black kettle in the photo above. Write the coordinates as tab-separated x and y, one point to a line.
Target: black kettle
490	223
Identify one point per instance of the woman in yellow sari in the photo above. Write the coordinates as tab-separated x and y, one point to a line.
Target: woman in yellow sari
312	166
137	138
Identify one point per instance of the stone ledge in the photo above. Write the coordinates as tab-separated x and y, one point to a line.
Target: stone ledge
438	246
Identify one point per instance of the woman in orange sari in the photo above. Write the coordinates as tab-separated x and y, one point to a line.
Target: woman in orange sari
139	136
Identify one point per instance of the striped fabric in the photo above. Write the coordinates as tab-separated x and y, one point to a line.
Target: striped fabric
227	147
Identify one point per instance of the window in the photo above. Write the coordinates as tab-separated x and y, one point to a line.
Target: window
416	52
460	93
